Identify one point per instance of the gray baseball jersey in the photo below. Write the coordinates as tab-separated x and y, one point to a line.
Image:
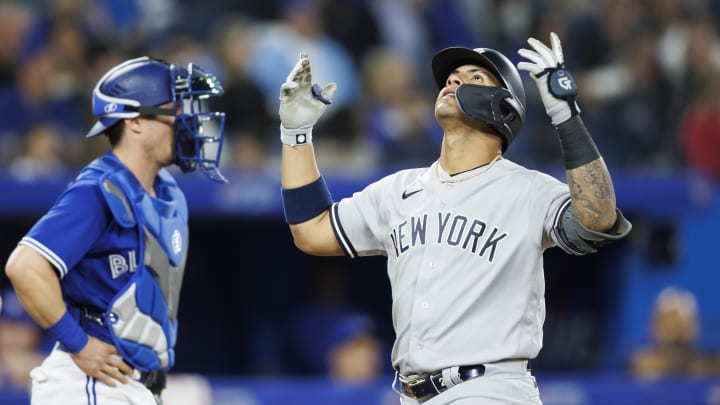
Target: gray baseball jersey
465	259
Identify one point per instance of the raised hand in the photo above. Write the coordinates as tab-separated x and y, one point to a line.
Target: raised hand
547	68
301	103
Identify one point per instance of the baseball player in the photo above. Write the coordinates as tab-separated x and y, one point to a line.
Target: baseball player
101	271
464	238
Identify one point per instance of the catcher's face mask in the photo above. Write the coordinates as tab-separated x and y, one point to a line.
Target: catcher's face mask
199	133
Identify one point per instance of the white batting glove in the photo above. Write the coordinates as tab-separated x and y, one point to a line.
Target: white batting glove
557	87
301	104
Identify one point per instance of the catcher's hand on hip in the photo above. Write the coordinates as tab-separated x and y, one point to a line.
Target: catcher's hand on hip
547	68
301	103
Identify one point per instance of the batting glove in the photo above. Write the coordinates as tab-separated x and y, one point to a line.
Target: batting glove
301	104
557	87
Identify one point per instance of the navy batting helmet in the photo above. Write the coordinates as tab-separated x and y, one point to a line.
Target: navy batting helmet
139	85
504	111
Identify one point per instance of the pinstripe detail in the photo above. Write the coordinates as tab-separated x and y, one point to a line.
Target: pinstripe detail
94	394
87	389
54	259
340	232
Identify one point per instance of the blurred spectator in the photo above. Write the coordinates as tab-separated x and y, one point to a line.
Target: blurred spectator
15	20
594	37
36	97
21	343
353	350
337	342
40	156
395	116
402	28
700	130
674	350
278	44
328	335
249	126
636	124
352	24
688	49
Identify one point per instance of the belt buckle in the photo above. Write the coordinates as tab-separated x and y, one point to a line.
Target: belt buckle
411	384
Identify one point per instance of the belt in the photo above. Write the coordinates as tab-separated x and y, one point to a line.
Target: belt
154	380
425	387
146	378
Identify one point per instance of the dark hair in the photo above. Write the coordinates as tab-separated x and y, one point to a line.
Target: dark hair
114	133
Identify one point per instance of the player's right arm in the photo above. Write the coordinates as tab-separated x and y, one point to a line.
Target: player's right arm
38	288
306	199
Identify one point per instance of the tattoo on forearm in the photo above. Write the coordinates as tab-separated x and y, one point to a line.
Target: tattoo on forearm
593	196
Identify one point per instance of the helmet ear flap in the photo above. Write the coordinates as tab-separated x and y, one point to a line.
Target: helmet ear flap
491	106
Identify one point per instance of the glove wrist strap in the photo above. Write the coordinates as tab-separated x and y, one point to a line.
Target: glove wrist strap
296	136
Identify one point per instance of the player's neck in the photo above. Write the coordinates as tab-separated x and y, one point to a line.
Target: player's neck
145	173
465	151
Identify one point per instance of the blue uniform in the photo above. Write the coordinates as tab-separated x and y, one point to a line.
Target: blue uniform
95	247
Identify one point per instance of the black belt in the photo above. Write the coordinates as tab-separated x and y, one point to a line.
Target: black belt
423	388
154	380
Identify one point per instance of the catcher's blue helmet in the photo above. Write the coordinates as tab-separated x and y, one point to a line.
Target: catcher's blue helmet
507	116
139	85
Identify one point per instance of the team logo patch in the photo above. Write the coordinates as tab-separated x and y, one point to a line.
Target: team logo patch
176	241
110	108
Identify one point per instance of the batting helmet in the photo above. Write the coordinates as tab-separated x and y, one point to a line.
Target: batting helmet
139	85
503	111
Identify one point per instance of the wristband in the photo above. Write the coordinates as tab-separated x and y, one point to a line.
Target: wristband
306	202
297	136
578	147
69	333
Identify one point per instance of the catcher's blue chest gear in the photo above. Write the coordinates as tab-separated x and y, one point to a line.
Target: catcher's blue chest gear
121	255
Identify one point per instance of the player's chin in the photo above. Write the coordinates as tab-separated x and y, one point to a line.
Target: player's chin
444	110
168	160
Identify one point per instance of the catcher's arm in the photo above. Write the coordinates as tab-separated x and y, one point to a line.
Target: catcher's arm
306	198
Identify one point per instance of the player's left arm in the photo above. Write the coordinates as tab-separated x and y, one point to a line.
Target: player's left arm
591	188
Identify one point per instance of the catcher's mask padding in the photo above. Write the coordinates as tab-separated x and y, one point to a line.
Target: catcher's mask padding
512	107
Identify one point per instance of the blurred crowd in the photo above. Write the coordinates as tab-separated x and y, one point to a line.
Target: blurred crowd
647	72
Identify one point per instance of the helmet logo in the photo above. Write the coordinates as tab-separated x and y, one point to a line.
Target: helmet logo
176	241
110	108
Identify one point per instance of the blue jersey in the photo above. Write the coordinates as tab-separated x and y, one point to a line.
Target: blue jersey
94	255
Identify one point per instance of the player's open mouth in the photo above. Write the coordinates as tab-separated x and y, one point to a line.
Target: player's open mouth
447	92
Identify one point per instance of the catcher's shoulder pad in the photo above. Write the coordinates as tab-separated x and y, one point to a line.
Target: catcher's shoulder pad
117	201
